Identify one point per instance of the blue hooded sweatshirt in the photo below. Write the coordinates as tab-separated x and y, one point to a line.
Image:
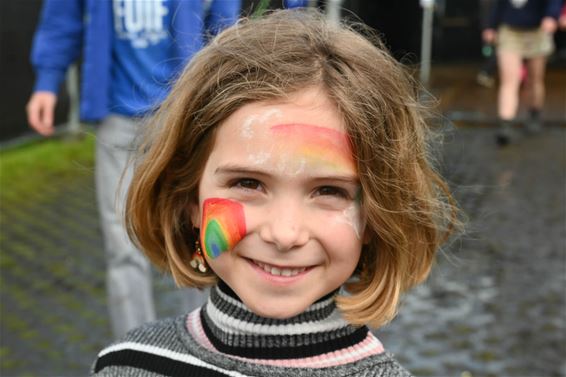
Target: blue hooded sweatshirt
73	29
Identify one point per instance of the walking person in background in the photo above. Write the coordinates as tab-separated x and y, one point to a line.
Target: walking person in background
521	29
131	50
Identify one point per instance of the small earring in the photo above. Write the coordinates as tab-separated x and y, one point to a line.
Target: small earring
198	263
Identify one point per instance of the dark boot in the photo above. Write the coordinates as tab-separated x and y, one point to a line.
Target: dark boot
534	122
505	133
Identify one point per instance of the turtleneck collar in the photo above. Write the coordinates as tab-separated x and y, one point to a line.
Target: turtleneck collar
234	329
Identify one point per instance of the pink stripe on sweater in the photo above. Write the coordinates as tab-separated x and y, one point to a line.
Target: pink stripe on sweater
194	326
367	347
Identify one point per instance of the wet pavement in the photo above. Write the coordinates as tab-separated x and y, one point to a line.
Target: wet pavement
495	304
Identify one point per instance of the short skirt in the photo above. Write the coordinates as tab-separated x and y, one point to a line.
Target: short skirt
529	43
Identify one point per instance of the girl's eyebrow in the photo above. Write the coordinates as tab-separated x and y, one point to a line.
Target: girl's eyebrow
351	179
230	169
237	169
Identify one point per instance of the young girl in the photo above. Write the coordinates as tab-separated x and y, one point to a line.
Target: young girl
287	169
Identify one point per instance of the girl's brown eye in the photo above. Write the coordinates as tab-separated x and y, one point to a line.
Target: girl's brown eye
332	191
248	183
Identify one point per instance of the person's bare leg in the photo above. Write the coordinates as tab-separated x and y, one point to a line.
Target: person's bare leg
509	64
536	92
536	71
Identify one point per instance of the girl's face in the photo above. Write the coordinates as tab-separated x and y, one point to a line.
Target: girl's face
279	207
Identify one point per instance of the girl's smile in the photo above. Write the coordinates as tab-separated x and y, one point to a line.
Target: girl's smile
279	274
285	227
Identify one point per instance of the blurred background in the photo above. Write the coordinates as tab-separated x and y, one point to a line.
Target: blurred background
455	42
495	304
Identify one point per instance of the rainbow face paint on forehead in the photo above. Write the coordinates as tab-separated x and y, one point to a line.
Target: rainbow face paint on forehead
316	146
223	225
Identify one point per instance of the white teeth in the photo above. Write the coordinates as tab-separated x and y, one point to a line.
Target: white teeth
276	271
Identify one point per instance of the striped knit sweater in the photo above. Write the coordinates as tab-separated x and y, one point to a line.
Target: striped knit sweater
224	338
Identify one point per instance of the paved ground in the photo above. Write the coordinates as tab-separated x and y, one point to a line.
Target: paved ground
495	304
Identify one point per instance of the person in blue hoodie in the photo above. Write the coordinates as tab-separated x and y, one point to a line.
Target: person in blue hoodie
522	30
130	50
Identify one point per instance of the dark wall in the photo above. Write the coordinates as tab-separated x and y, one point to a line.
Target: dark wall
397	22
18	19
457	33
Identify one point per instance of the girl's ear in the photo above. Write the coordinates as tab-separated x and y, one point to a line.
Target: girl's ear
194	212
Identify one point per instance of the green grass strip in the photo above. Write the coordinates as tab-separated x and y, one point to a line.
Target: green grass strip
39	162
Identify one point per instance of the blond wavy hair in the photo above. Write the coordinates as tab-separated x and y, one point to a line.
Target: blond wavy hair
406	203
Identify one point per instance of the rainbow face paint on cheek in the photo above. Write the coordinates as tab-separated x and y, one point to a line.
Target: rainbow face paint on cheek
223	225
316	146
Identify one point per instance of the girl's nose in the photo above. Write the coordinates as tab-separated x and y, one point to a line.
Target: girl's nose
284	226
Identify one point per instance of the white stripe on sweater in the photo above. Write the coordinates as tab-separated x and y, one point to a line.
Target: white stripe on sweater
188	359
232	325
